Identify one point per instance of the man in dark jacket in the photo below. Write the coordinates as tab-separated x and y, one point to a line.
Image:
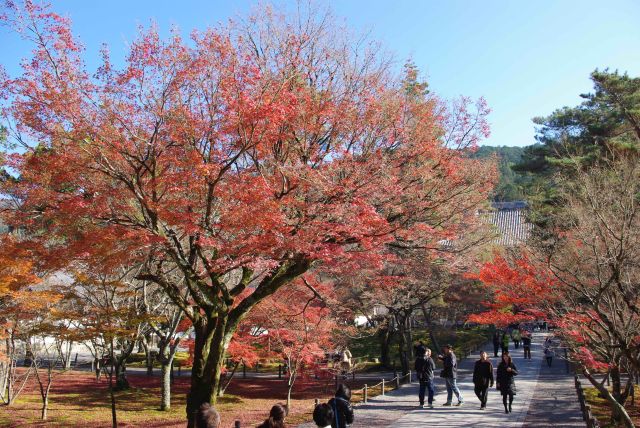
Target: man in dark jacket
450	375
496	342
341	405
482	378
526	345
425	368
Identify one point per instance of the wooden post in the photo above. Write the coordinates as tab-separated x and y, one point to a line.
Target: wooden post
382	391
397	382
279	371
244	370
365	392
587	412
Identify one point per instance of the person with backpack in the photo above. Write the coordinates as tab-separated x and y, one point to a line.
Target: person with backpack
505	382
425	368
450	375
548	355
482	378
516	335
341	405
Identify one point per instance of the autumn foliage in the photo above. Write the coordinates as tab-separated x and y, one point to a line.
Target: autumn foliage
229	164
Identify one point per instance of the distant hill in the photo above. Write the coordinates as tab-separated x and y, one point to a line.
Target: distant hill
509	187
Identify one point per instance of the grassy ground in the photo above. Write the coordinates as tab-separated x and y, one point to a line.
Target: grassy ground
601	410
77	400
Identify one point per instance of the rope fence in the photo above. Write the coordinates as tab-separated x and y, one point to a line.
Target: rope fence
380	388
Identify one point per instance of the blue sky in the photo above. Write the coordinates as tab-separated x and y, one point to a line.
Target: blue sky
526	58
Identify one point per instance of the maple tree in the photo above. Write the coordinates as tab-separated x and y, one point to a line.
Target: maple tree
19	309
241	159
296	325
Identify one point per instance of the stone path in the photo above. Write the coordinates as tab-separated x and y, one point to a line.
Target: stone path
399	409
554	402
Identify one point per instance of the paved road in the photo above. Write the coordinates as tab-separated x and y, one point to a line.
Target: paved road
399	409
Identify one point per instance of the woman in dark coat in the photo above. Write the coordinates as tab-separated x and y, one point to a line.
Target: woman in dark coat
504	380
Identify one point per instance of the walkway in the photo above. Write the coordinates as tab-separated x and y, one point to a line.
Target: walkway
554	401
399	409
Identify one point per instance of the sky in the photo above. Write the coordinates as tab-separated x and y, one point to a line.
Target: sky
526	58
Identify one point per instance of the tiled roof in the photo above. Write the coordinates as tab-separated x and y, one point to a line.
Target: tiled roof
510	220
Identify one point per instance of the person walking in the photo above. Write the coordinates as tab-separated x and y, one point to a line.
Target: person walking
450	374
345	362
505	382
496	342
505	342
341	405
548	355
526	345
425	368
516	335
482	378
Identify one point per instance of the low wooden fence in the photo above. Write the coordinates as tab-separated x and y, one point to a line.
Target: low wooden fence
368	391
588	417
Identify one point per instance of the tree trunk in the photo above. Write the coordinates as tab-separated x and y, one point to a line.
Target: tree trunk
210	344
293	371
616	384
165	404
223	386
410	338
114	418
402	345
434	340
618	410
122	383
385	336
148	355
45	400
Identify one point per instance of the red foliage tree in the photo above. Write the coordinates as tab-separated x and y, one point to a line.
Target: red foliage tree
241	159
